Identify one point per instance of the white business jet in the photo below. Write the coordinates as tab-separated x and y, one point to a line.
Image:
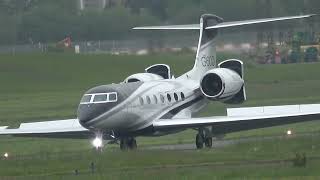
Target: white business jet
154	103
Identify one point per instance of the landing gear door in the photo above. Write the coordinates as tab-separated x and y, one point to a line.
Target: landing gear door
162	70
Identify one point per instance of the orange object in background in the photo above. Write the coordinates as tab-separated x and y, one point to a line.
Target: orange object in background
277	57
66	42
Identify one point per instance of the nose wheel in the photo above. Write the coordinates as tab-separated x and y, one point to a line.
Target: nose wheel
128	143
203	140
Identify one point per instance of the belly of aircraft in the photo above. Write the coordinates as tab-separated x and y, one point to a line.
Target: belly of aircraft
129	119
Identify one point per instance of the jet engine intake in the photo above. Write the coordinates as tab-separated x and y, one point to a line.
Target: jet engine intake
142	77
221	84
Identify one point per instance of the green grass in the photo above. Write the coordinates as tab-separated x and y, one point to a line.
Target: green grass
251	159
35	87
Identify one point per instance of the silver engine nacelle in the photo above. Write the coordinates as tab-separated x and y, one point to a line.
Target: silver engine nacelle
224	83
142	77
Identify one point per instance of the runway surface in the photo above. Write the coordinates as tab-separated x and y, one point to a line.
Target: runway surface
218	143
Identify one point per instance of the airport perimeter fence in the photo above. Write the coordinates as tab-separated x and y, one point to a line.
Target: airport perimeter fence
135	46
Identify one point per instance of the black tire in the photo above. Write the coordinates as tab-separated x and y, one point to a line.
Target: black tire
208	142
199	141
124	144
128	144
133	144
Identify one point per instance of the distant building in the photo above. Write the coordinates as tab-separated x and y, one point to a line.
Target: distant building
100	4
92	4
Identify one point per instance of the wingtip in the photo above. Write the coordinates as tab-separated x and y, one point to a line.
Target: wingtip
3	127
140	28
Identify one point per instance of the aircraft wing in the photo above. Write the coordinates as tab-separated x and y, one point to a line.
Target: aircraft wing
239	119
69	128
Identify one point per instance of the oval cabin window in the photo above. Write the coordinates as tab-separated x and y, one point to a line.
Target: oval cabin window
141	101
148	100
162	98
175	96
169	97
182	96
155	99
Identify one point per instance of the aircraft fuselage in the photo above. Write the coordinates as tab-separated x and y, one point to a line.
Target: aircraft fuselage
138	104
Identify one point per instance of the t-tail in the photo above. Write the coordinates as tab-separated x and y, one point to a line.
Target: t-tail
208	27
206	58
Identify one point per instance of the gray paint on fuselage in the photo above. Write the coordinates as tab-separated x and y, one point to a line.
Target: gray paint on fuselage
150	111
165	108
119	118
87	112
129	116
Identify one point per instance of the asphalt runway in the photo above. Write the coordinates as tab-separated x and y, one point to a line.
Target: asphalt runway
219	143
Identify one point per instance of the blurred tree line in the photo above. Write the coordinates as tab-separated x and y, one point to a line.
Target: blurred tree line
32	21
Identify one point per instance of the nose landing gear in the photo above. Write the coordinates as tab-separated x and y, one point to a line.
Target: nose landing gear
128	143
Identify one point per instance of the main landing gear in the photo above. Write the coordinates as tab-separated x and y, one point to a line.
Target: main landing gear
128	143
203	140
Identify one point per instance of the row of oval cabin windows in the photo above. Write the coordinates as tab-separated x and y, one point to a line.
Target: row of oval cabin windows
162	98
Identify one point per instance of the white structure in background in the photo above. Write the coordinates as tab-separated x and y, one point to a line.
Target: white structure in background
92	4
77	49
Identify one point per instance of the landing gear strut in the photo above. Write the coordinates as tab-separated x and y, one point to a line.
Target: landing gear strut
208	142
203	139
128	143
199	141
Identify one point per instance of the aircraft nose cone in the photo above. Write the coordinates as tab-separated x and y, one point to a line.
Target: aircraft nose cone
84	114
88	112
100	100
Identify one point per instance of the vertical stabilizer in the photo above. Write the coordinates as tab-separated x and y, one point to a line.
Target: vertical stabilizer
206	51
209	25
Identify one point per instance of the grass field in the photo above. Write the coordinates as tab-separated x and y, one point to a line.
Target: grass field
268	159
37	87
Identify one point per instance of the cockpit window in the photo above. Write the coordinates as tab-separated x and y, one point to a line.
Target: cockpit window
86	99
99	98
113	97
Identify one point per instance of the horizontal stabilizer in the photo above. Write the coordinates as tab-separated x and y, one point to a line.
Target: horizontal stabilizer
256	21
223	24
170	27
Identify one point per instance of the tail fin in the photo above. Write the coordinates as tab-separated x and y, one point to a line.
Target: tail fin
206	51
209	25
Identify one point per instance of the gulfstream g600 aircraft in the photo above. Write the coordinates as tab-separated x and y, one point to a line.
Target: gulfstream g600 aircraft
154	103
